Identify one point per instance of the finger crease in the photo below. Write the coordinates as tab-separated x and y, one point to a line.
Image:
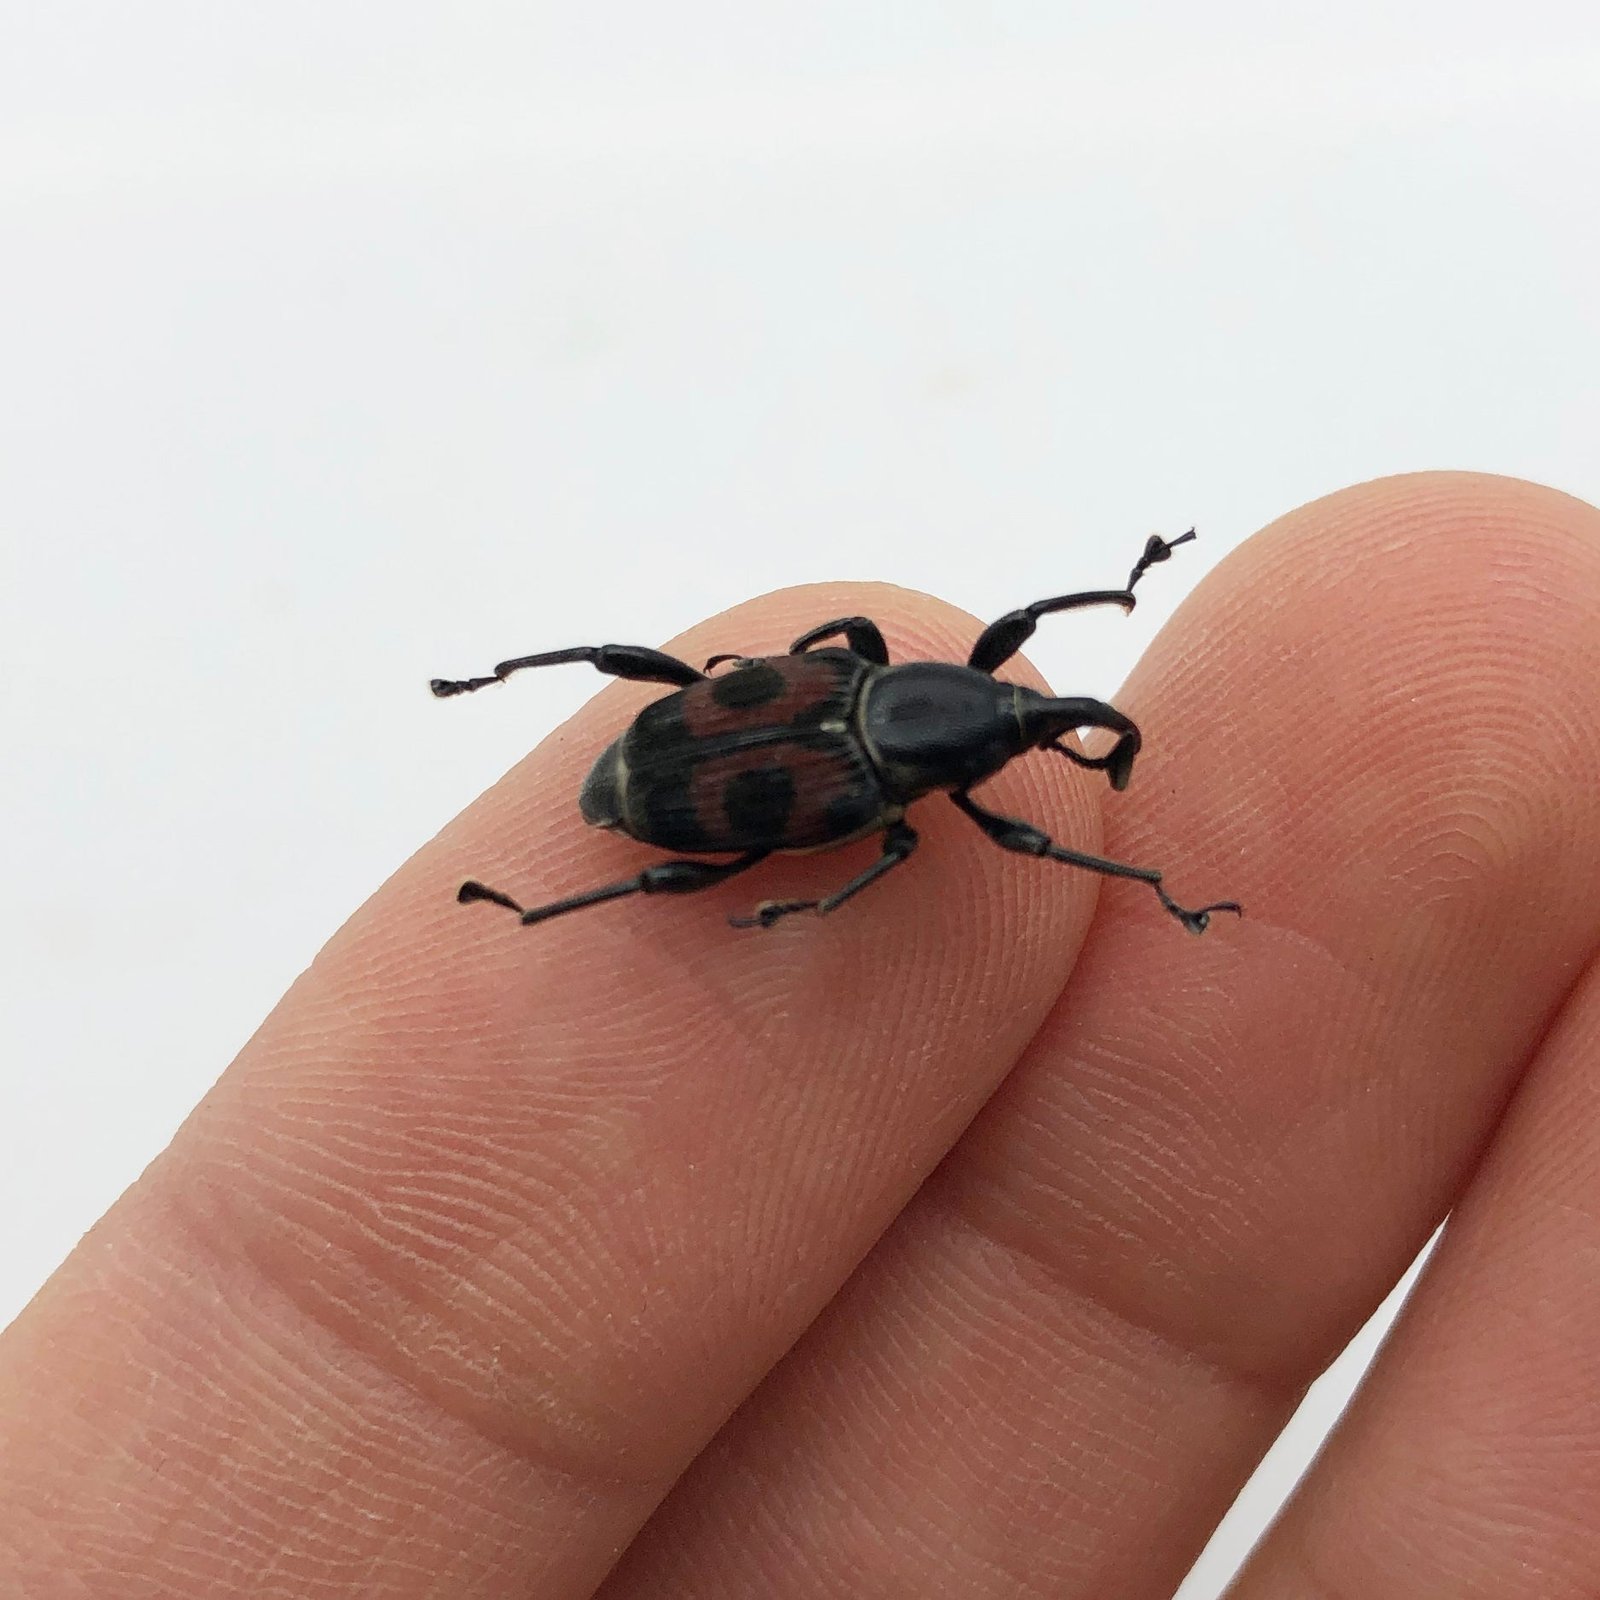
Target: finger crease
1269	1390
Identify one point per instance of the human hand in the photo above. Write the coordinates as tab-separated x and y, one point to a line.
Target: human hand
632	1255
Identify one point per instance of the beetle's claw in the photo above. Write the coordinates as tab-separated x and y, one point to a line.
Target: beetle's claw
472	890
1159	549
770	911
1197	921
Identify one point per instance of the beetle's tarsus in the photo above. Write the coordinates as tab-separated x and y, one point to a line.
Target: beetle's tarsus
771	911
445	687
1197	921
471	890
1156	549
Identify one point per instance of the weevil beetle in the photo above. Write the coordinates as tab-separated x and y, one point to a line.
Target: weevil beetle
822	746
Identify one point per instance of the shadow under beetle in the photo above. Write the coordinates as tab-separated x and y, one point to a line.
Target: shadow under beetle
822	746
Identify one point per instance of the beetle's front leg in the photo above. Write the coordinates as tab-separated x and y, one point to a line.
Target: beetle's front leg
899	841
1003	638
615	660
1011	834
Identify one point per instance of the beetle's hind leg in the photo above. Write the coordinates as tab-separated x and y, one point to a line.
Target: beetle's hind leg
661	877
861	634
899	840
615	660
1027	840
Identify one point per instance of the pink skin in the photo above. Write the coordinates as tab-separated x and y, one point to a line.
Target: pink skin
454	1283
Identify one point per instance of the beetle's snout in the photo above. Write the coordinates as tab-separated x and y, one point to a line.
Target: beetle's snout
600	799
1046	722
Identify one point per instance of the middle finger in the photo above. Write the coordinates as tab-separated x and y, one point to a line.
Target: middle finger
1055	1371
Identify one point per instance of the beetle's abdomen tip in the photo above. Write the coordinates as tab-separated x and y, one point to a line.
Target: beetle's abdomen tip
600	799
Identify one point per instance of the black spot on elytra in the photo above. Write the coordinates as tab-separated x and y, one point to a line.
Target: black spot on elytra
759	804
667	811
659	726
754	685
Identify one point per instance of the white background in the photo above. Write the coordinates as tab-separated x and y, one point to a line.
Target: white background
343	344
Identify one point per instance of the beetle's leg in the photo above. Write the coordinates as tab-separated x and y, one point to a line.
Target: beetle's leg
862	634
1002	639
899	841
616	660
1156	549
661	877
1027	840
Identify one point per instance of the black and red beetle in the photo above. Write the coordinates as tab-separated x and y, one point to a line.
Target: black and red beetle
819	747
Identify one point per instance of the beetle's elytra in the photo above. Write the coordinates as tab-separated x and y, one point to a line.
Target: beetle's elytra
824	745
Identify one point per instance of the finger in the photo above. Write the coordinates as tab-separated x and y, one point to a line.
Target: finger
1375	725
488	1228
1469	1465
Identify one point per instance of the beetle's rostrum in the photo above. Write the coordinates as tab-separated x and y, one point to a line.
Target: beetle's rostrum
821	746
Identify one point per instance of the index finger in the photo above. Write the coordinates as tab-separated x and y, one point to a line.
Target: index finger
488	1229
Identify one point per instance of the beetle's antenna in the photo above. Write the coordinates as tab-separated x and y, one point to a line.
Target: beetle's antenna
1045	722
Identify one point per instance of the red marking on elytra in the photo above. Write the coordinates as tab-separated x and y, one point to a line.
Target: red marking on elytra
809	684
